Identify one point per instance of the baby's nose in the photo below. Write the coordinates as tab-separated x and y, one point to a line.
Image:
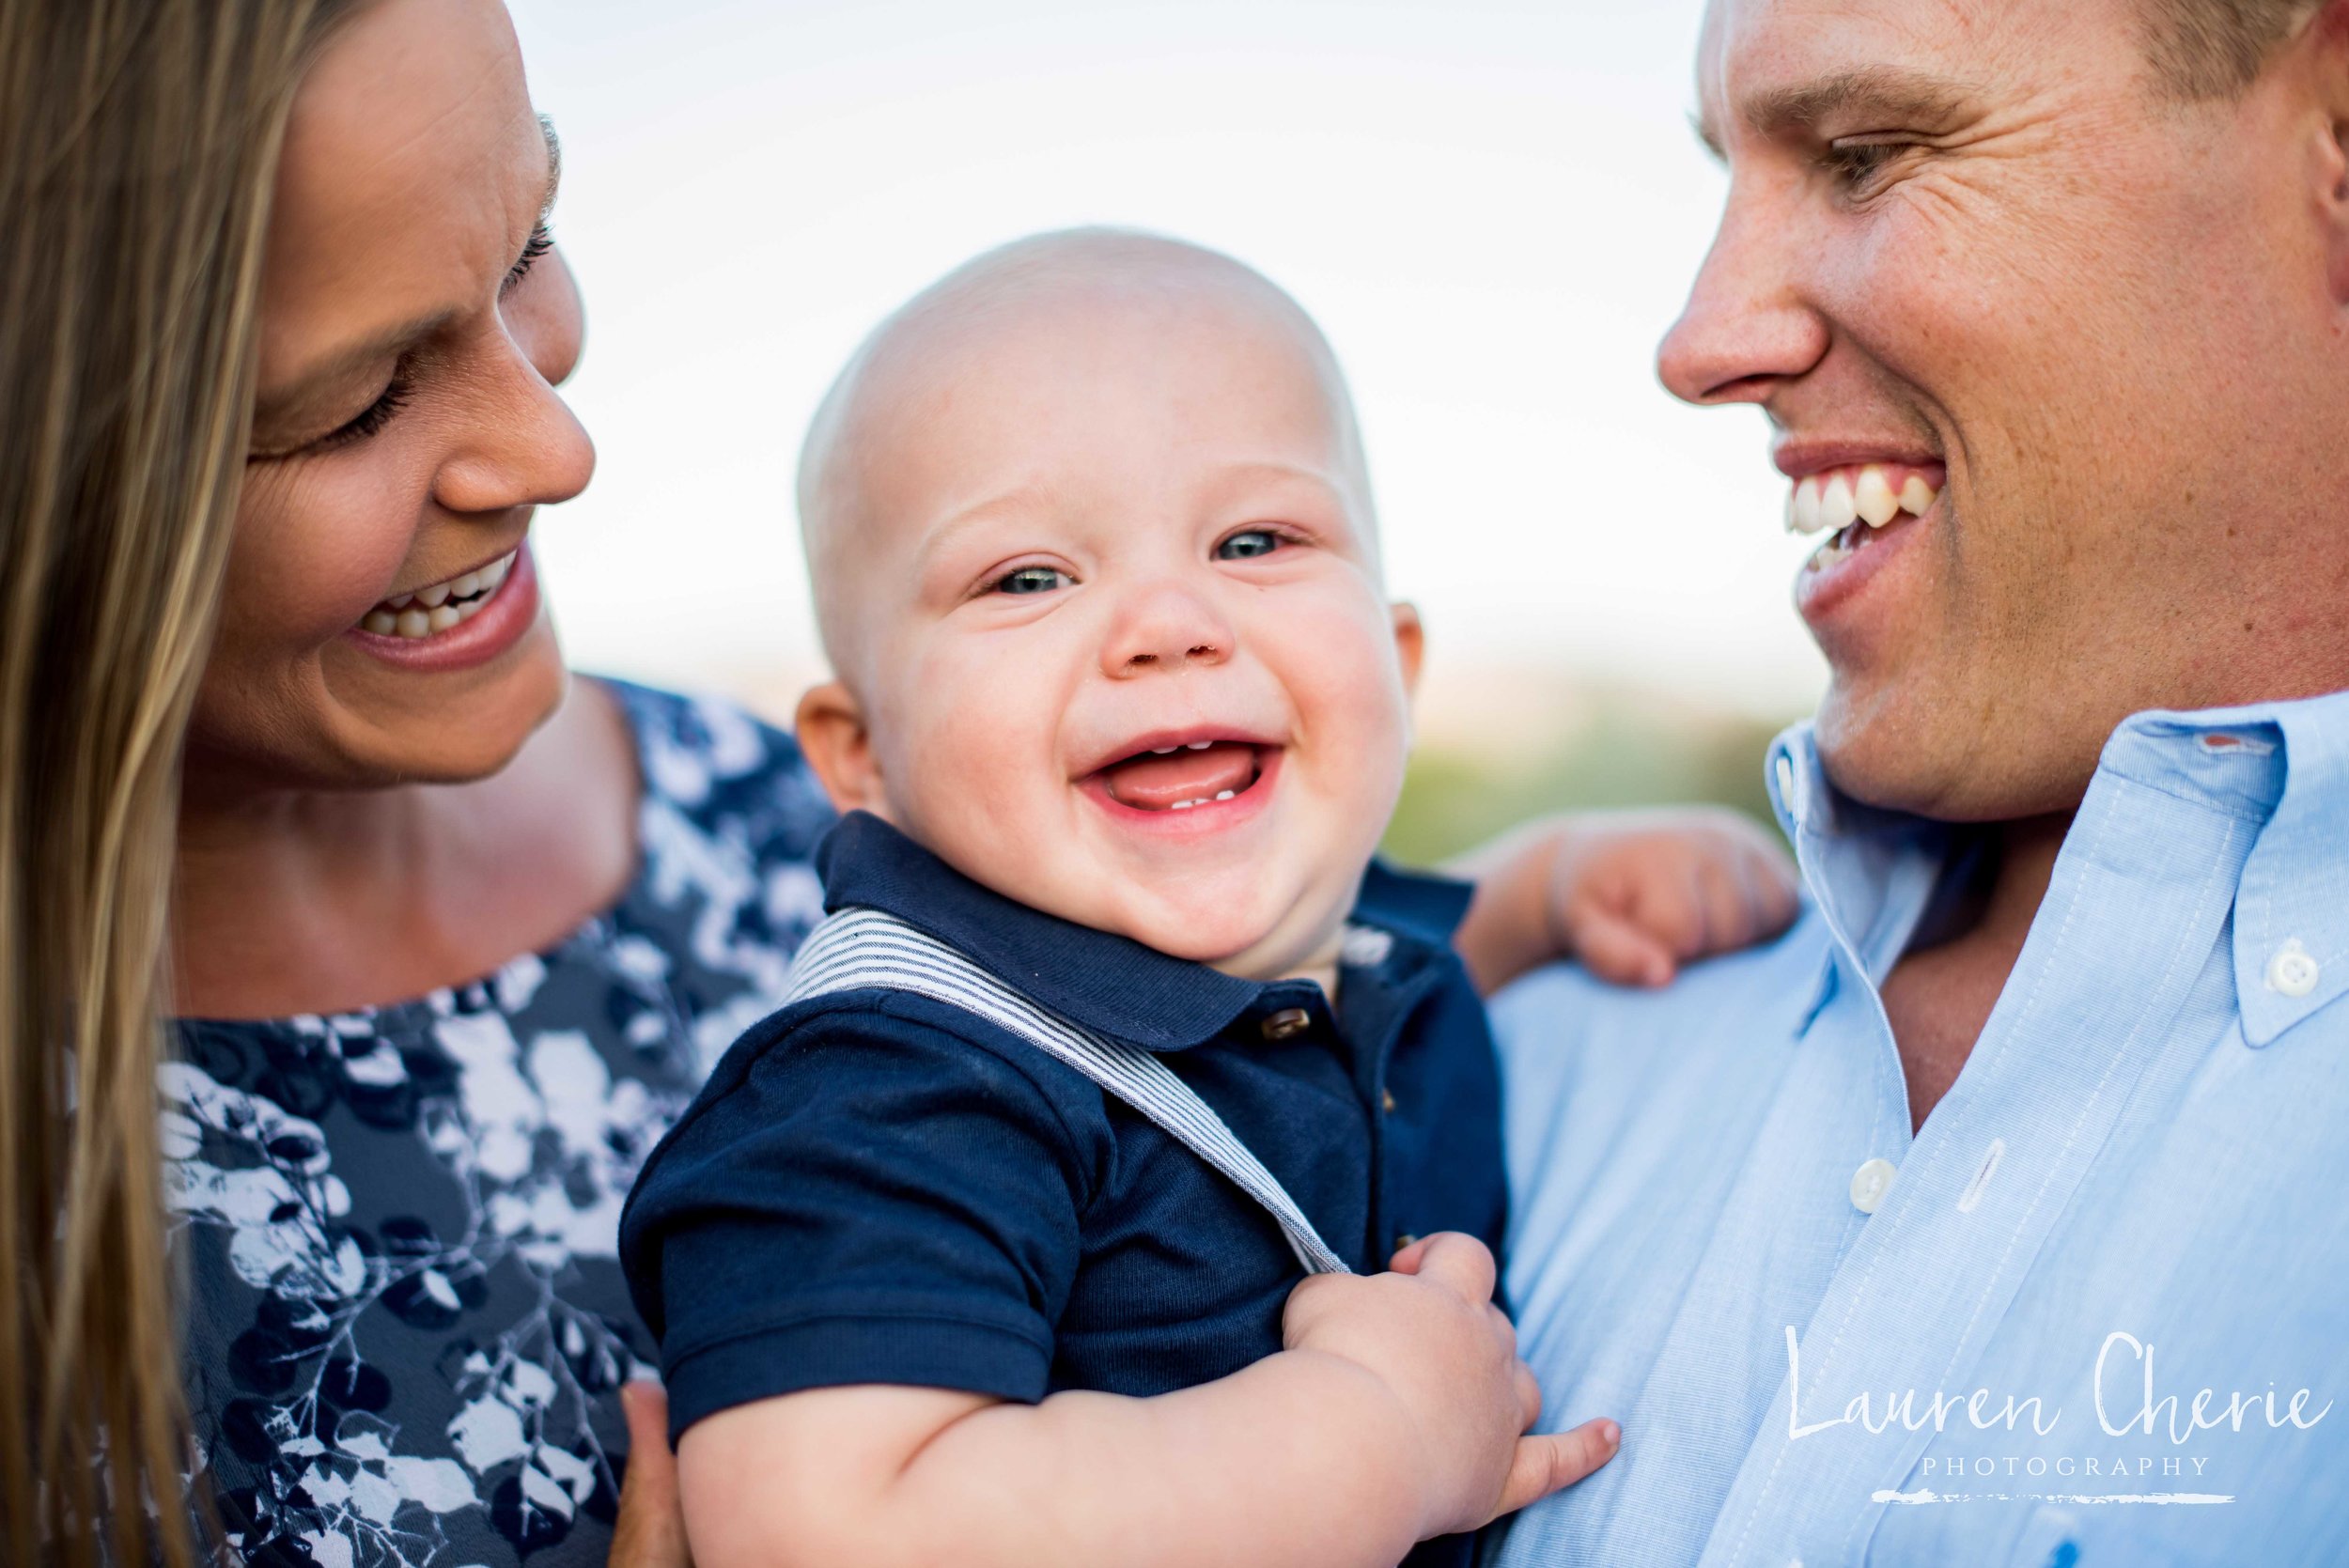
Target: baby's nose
1167	629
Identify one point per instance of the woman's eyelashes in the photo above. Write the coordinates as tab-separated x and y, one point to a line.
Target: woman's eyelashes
540	243
371	419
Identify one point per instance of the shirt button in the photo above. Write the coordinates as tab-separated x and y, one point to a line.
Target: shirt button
1288	1023
1870	1182
2292	970
1386	1101
1405	1239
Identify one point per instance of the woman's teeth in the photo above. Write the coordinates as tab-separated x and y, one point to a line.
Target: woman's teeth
1851	504
430	611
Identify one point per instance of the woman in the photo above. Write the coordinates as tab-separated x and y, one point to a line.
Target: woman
455	936
451	936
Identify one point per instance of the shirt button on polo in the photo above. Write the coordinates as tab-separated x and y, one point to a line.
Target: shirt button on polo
1386	1101
1405	1239
2291	972
1288	1023
1869	1185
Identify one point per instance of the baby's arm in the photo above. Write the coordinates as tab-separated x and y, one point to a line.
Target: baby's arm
1393	1414
1631	894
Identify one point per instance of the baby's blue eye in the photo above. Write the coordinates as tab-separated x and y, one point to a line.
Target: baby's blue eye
1032	580
1248	543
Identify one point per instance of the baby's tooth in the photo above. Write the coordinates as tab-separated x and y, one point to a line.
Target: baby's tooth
1917	496
435	597
1874	499
1201	745
1185	805
465	586
1164	751
414	623
1807	517
1836	507
444	617
1227	793
468	610
401	604
382	622
494	573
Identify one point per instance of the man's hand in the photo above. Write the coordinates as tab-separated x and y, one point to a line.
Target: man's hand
650	1530
1430	1332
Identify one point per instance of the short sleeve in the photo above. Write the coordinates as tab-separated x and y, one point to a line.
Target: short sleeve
864	1193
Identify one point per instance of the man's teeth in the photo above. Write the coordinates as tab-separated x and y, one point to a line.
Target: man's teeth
1831	503
436	608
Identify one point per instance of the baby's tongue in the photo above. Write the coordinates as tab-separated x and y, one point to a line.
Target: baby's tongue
1153	782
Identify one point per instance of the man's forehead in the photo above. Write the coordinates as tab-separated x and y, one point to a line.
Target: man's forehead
1769	66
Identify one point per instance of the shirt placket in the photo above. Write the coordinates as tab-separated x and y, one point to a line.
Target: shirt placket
2141	894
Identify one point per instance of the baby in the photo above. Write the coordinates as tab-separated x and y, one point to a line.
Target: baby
987	1249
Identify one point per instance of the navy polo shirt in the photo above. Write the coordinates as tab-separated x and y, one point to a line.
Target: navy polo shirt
877	1187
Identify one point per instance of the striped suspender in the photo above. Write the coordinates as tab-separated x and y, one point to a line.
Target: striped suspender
860	948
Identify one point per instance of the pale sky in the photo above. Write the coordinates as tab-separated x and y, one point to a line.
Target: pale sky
1493	206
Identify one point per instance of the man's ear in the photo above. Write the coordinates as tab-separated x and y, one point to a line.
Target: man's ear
834	738
1410	643
2325	41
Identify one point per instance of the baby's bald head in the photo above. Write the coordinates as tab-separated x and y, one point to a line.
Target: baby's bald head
1090	309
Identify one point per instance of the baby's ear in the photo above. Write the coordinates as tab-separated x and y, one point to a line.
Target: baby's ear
1410	643
839	748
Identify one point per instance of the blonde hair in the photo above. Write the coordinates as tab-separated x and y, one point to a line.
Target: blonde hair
138	153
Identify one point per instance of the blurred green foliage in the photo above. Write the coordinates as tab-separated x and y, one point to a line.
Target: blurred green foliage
1624	753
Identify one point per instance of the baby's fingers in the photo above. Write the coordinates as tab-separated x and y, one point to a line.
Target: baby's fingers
1547	1460
1619	951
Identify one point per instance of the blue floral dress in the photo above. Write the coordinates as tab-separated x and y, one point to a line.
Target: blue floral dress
398	1226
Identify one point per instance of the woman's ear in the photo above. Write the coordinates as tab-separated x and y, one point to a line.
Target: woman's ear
1410	643
837	745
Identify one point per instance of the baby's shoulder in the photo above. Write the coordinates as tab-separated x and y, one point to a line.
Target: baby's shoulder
882	1052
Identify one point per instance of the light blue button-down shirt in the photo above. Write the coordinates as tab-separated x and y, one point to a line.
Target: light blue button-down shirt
2138	1190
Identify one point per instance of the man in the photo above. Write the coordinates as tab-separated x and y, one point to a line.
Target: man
1919	1237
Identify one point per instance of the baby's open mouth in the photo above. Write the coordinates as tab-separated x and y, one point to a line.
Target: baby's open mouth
1180	778
432	609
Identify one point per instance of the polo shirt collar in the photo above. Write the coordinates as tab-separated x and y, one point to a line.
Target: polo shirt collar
1106	983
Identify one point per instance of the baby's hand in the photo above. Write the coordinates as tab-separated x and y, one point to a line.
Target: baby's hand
1632	895
1430	1333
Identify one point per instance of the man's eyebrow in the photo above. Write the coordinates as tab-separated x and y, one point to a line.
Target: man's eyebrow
1902	98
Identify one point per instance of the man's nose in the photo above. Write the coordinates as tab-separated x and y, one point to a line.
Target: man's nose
1165	627
1747	327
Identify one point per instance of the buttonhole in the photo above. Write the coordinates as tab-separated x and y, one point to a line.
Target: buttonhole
1974	1189
2222	745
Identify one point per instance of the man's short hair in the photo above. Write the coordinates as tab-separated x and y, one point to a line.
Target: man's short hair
2217	47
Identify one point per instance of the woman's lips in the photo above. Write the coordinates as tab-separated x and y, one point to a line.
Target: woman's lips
503	615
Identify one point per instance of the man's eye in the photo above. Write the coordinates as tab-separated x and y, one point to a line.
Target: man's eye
1247	544
1032	580
1854	163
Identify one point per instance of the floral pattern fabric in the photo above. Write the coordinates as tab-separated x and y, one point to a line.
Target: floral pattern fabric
398	1226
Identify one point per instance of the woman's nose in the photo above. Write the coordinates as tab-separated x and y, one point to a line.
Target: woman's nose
1747	327
525	447
1166	626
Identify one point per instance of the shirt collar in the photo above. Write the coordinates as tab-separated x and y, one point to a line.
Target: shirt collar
1106	983
2282	767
